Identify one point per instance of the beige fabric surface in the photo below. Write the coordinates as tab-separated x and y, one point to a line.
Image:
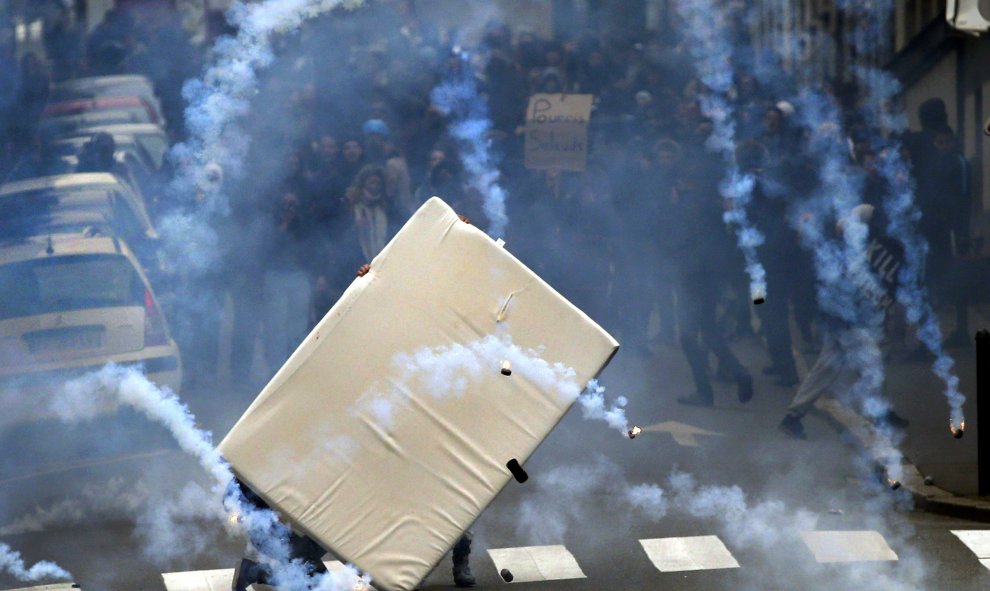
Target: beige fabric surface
387	432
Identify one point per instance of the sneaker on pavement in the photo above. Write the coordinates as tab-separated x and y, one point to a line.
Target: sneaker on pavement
463	576
744	387
242	575
792	427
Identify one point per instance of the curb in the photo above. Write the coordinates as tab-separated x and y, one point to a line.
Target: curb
927	497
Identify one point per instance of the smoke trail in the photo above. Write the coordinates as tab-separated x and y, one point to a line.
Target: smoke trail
83	398
710	45
12	563
763	525
458	97
564	494
772	527
848	289
872	34
112	499
452	370
216	103
569	498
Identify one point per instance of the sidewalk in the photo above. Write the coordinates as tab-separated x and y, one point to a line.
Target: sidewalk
949	463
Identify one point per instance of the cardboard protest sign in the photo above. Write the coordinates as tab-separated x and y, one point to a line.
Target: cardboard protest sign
557	131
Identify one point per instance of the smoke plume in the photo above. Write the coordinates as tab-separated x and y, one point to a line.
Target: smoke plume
710	46
176	522
459	98
452	370
881	88
12	563
216	105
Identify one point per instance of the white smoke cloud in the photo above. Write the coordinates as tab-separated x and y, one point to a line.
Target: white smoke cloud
707	30
114	499
12	563
452	370
564	495
185	524
871	36
459	98
217	103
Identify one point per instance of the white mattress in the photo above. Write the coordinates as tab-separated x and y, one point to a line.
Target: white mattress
371	443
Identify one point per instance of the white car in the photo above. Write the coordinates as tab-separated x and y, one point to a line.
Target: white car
73	303
77	124
99	192
109	86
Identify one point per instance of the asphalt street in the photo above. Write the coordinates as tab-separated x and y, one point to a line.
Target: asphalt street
79	495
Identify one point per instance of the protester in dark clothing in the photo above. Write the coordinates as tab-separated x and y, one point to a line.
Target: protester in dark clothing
445	181
945	218
769	210
920	144
689	244
352	162
838	367
286	284
97	155
636	213
301	548
667	158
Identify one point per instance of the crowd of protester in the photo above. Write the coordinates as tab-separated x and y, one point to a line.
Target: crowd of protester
347	144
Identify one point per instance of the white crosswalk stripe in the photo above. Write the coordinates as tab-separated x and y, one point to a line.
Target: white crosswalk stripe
216	580
691	553
977	540
676	554
848	546
537	563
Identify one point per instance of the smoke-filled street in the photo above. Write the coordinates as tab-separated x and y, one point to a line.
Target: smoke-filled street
340	295
571	499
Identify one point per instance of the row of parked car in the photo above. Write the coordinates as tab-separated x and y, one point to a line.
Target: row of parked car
77	250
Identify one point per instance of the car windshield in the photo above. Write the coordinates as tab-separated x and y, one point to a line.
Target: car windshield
67	283
31	213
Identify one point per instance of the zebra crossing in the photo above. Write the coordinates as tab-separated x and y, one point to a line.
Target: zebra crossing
978	541
532	564
672	555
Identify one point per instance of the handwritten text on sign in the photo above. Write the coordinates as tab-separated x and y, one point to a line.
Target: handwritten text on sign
557	131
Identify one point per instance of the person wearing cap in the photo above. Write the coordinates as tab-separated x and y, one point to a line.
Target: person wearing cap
379	149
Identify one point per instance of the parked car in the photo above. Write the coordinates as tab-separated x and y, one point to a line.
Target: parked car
31	203
137	109
109	86
73	303
79	123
